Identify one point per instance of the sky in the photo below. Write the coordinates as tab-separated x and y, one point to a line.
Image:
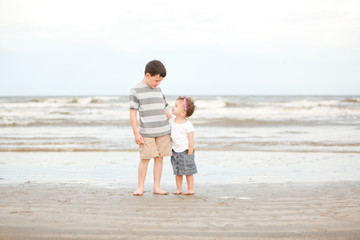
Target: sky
217	47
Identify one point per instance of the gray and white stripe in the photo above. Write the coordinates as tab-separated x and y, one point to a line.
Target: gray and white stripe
150	103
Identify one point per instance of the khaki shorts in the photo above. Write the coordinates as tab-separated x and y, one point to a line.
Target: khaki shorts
156	147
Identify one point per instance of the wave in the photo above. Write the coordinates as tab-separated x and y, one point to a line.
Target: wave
283	104
221	121
292	144
351	100
251	122
40	102
100	99
245	146
64	122
211	110
29	149
197	122
59	113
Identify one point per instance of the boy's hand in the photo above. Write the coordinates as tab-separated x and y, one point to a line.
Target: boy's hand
139	139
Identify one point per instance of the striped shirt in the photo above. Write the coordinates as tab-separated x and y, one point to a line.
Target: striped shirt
150	103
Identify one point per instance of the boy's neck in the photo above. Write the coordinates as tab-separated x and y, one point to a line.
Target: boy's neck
144	81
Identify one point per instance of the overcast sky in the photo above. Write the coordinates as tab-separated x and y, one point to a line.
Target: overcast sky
86	47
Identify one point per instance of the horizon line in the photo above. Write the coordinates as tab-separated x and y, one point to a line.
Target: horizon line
199	95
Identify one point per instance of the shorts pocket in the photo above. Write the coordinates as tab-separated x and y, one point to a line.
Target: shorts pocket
189	160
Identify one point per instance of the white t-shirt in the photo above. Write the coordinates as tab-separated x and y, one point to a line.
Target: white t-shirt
179	132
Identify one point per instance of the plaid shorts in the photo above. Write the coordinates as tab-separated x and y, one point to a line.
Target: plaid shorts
183	163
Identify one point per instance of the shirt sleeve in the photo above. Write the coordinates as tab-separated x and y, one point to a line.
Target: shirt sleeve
189	127
133	100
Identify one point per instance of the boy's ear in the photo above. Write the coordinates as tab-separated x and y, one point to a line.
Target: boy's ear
147	75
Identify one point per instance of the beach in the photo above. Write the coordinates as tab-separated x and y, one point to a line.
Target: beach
88	195
237	211
269	167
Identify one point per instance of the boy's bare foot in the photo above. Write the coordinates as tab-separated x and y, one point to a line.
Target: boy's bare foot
160	192
177	192
138	192
189	193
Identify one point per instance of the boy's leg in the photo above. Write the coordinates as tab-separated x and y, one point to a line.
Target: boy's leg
158	165
190	183
142	170
178	180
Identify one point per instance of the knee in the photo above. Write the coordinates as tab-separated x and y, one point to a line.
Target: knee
145	161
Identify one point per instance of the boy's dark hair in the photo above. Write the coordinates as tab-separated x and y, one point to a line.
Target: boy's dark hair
190	105
155	67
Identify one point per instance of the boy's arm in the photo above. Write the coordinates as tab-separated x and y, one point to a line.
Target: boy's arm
190	136
168	114
133	120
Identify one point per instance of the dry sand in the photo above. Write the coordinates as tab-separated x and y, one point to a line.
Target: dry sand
328	210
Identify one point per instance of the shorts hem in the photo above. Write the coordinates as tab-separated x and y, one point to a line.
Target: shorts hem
166	155
185	173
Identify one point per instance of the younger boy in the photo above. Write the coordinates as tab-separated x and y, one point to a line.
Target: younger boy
153	135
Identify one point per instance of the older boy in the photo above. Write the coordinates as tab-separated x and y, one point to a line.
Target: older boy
153	135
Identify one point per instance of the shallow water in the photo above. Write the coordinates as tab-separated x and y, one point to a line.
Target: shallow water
215	167
232	123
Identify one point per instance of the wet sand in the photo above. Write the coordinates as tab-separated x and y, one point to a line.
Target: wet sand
328	210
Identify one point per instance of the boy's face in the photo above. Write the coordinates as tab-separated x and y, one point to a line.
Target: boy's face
178	109
153	81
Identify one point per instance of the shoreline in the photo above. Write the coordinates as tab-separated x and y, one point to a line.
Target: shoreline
327	210
111	168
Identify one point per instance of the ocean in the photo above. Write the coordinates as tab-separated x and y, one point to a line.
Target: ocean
238	139
222	123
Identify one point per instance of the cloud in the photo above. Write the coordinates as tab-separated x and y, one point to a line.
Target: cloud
139	25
